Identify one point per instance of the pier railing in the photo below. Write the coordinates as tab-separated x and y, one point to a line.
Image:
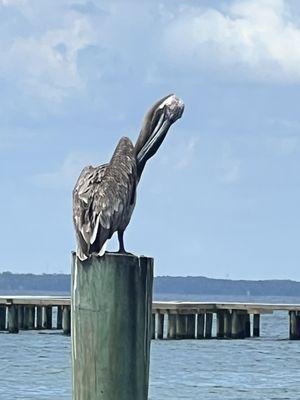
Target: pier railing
170	320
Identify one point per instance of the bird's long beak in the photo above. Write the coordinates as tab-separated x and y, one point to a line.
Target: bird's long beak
155	127
156	137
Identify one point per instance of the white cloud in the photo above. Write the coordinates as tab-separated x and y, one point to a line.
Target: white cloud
49	62
43	60
258	39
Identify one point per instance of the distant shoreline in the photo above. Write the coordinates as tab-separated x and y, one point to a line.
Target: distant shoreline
163	285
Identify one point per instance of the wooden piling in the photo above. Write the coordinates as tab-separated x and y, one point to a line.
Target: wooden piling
297	325
111	317
59	317
294	325
190	326
171	326
220	325
31	317
181	328
200	326
160	326
26	318
247	326
2	318
48	317
21	317
39	317
237	330
256	325
242	324
227	324
153	318
208	325
13	319
66	320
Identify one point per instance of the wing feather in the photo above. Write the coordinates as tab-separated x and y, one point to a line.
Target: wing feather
102	199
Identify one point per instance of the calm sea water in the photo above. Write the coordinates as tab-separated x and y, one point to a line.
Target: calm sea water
37	366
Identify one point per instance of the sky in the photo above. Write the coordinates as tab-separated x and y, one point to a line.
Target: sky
221	197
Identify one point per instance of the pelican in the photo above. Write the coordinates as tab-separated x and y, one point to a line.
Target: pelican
104	196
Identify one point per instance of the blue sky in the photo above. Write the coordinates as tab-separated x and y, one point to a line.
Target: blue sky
221	198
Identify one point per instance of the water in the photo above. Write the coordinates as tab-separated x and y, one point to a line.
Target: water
37	366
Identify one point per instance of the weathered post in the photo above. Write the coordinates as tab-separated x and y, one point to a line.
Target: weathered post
247	325
235	325
48	317
2	317
111	327
200	326
153	318
190	326
256	325
227	324
171	326
160	326
26	317
242	324
181	326
39	317
59	317
208	325
13	319
31	317
21	317
294	325
220	324
66	320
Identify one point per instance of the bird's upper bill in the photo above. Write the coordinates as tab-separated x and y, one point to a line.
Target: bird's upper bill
156	125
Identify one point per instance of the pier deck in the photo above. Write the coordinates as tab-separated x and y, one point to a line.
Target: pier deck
171	319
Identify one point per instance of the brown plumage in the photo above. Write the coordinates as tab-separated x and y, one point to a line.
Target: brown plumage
104	196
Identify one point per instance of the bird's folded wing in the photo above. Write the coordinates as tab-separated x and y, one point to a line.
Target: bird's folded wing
102	196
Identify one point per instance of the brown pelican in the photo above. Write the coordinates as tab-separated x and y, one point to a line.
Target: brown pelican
104	196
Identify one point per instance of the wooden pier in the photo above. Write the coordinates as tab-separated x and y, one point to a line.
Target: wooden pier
35	313
170	320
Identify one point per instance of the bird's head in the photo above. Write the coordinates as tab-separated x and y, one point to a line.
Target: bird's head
155	127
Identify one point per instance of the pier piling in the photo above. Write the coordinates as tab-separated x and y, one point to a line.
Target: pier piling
181	331
294	325
2	318
111	327
25	317
236	325
13	319
31	317
21	317
171	326
200	326
66	320
227	324
208	325
256	325
39	317
220	324
153	318
48	317
59	317
247	326
160	326
190	326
